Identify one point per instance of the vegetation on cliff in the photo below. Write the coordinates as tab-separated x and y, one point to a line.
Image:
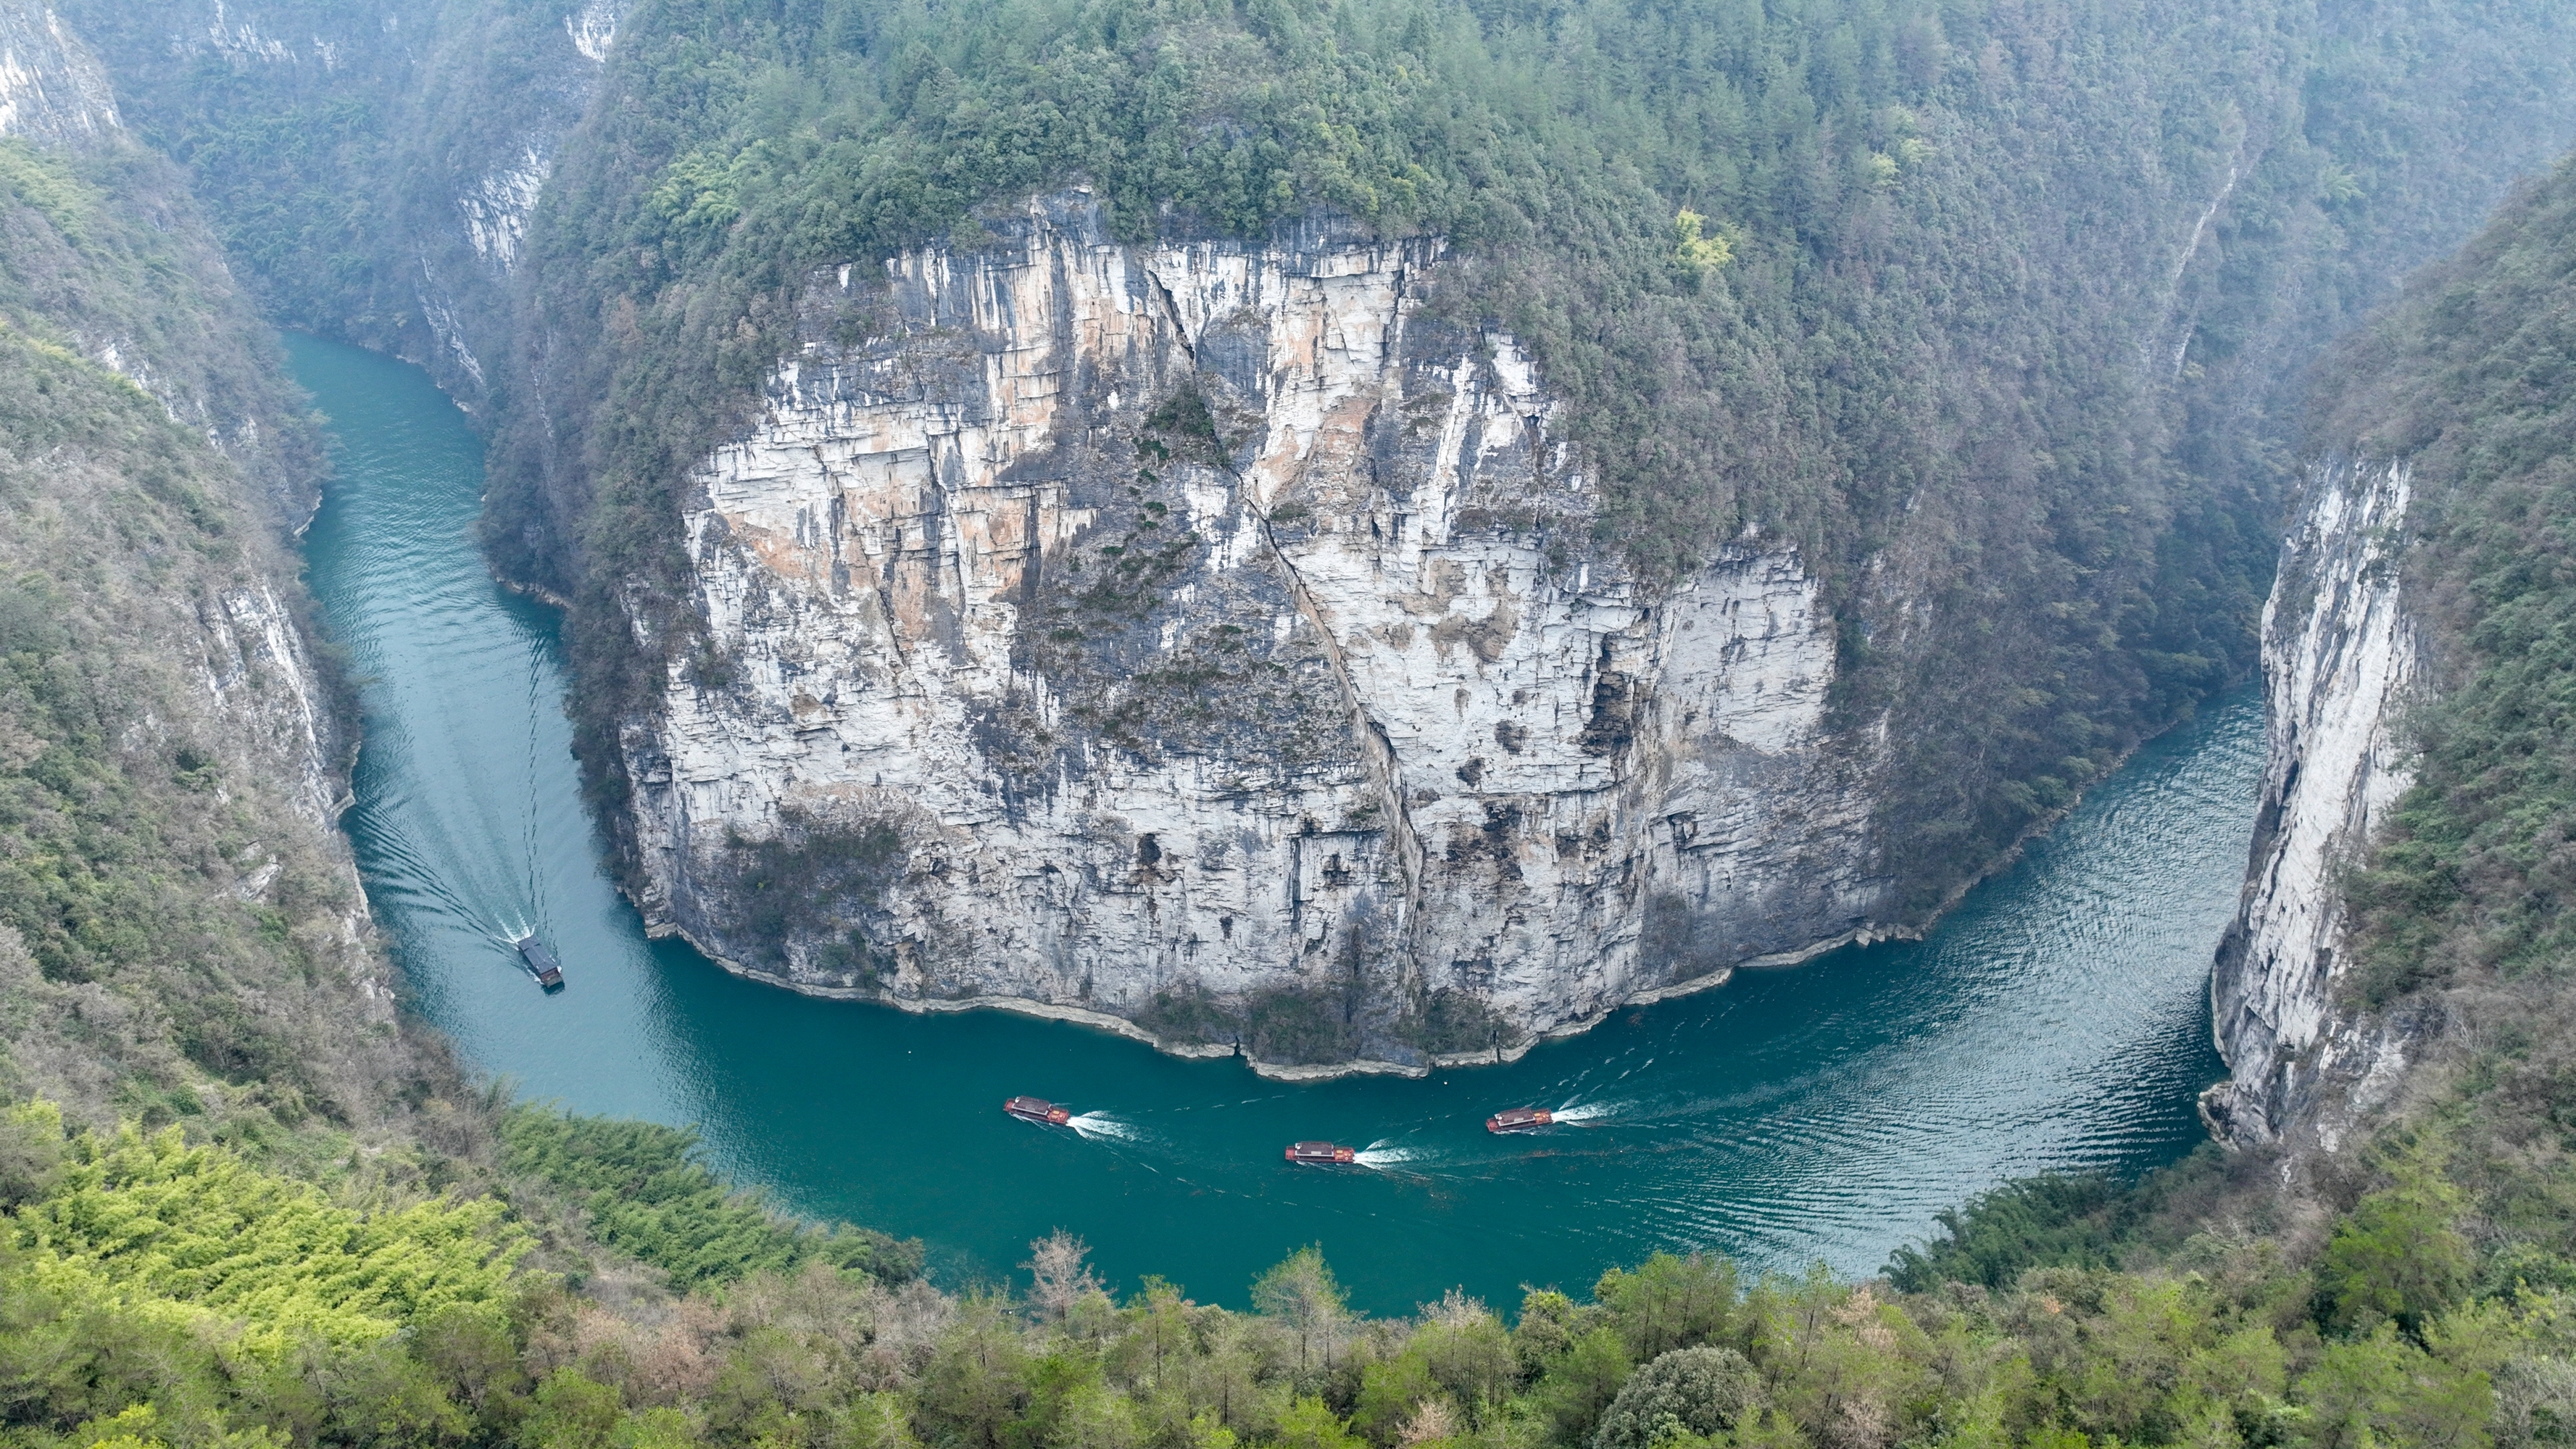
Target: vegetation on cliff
180	930
2004	308
2466	382
258	1276
2448	1207
2462	938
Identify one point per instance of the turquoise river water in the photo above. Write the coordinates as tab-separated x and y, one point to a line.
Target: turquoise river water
2057	1019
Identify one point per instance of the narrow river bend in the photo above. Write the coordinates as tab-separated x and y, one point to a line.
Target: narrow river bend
2056	1020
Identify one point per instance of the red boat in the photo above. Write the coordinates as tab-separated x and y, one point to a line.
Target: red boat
1520	1119
1321	1154
1038	1110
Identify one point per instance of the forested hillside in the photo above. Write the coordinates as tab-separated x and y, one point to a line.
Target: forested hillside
181	934
367	165
2460	930
161	1294
2452	1168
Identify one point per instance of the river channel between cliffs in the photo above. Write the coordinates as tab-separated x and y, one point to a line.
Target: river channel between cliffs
2056	1020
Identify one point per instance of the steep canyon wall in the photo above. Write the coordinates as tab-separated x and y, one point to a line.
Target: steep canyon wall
2339	661
372	165
181	925
1209	635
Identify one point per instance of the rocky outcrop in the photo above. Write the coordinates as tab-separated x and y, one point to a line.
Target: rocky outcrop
1207	636
2339	655
472	197
51	89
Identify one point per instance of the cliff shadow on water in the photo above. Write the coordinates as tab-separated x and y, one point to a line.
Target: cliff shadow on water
2057	1019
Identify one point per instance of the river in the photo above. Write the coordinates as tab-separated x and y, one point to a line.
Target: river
2056	1020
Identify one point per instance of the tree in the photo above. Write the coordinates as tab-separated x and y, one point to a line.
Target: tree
2395	1257
1303	1294
469	1346
1669	1302
976	1385
1060	1278
382	1396
2384	1390
1581	1384
1310	1423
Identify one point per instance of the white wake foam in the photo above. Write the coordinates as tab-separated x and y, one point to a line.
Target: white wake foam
1102	1127
1381	1154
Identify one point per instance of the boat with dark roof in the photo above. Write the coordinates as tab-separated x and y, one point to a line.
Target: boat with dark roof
540	961
1322	1154
1520	1119
1038	1110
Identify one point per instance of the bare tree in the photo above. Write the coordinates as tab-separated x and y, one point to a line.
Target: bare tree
1060	1277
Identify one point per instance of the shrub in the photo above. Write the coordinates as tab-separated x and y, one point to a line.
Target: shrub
1695	1391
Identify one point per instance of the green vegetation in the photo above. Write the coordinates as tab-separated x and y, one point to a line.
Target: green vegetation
814	878
330	142
154	1293
2466	383
176	916
1833	220
2448	1226
645	1195
154	1221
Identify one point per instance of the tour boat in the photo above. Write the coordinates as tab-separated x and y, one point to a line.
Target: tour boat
1038	1110
1321	1154
1520	1119
541	962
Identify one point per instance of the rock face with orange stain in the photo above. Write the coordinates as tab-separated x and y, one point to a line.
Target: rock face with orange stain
1209	637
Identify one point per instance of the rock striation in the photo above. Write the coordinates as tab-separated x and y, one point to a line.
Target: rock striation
1207	636
51	89
2339	657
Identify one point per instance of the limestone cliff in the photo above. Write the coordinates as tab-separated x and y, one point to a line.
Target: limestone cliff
2339	656
1207	635
51	89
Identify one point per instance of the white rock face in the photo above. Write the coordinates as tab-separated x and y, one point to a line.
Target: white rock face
593	29
496	210
51	89
257	677
1335	707
2339	656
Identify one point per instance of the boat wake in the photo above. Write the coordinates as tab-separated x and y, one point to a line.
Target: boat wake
1577	1116
1101	1127
1382	1154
